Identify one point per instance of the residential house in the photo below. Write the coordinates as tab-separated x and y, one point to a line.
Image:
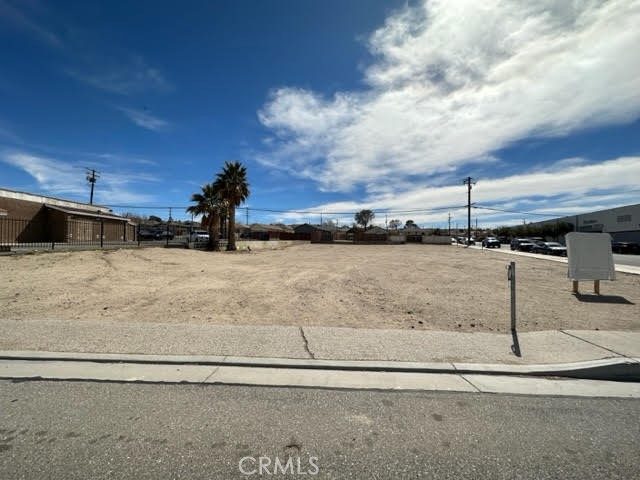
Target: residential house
316	233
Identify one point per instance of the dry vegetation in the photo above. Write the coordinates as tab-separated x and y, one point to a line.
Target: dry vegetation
377	286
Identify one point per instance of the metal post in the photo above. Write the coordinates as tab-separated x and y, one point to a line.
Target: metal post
169	220
512	280
469	213
101	233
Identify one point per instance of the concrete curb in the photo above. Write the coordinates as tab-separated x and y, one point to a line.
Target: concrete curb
613	369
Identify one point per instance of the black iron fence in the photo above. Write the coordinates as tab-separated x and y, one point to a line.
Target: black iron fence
16	233
173	234
72	233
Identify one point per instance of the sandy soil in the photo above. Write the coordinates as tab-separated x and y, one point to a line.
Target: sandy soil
377	286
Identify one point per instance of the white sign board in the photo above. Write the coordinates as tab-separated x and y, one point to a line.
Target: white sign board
590	256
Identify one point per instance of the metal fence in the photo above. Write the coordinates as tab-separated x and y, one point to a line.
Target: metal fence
25	234
74	234
172	235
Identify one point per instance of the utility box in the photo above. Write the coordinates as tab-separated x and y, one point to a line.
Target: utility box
590	258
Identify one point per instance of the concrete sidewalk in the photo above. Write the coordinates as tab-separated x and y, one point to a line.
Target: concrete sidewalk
622	268
317	343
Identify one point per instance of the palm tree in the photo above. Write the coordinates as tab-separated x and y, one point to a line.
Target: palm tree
234	188
211	205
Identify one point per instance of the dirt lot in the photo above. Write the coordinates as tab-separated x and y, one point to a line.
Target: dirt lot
377	286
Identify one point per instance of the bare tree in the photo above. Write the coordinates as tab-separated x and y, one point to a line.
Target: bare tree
364	217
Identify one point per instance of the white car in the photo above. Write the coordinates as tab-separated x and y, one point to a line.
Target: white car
199	236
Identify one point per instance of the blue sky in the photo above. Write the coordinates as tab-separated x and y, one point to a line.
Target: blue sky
333	105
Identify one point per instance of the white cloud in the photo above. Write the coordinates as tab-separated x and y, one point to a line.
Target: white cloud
8	135
122	77
16	18
581	187
145	120
454	81
58	177
123	73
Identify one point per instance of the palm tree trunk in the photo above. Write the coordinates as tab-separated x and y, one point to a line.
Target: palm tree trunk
231	244
216	231
210	245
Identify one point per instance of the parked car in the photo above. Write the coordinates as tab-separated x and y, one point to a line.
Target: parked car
625	247
538	246
199	236
550	248
522	244
491	242
147	234
163	235
463	240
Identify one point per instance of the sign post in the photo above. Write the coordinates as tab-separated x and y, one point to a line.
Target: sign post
511	276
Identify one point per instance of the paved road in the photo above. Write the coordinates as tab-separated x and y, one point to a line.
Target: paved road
632	260
619	259
68	430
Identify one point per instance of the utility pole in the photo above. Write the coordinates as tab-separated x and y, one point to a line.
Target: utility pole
468	182
92	176
449	223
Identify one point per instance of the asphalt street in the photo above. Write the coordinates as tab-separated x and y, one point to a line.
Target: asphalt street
631	260
68	430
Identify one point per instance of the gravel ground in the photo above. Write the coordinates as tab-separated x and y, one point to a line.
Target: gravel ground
374	286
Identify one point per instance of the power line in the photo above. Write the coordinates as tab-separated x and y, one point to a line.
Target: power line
301	212
516	212
384	211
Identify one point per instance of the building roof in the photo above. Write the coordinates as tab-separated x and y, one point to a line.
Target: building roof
375	230
412	230
261	227
370	230
86	213
58	202
322	228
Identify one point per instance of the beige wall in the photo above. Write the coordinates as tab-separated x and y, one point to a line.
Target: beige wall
267	245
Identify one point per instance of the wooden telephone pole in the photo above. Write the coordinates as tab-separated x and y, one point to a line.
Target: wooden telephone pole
92	176
468	182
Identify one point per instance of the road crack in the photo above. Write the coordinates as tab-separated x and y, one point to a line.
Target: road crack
306	343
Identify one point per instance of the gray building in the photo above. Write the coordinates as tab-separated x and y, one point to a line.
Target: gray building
623	223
